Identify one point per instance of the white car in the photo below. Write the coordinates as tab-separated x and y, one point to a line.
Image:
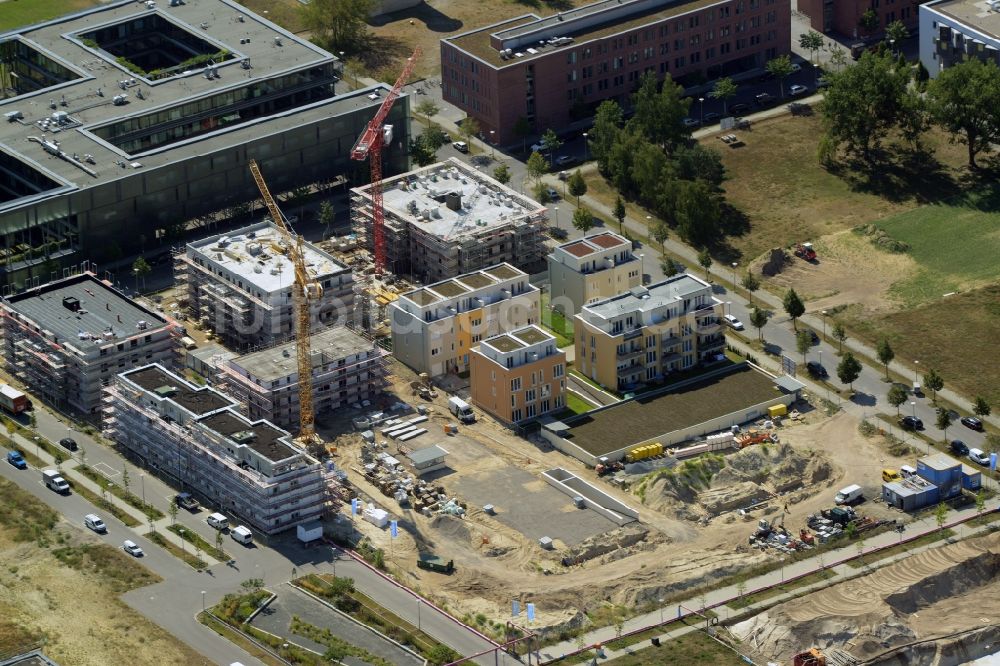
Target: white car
796	67
690	122
132	548
977	456
797	90
733	322
461	146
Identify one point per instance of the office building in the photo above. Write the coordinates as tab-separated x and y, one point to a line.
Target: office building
641	336
518	376
434	328
124	122
239	286
448	219
551	71
590	269
194	437
66	339
955	30
843	17
347	369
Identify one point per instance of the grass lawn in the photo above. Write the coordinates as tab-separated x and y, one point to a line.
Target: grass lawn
694	649
103	504
772	592
17	13
576	404
176	551
901	548
126	495
556	323
285	13
195	539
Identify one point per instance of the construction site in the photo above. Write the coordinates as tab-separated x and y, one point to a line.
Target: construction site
447	219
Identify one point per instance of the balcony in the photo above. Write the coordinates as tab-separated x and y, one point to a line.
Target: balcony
634	333
629	354
710	342
630	370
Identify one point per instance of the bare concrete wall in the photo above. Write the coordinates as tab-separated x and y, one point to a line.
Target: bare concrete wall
593	497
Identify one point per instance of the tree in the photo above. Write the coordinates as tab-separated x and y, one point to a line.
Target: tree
803	341
868	23
422	153
980	501
583	219
840	335
724	89
536	166
865	102
885	355
619	213
659	110
838	56
340	25
577	185
943	421
697	212
521	129
427	108
705	261
326	217
780	68
934	382
896	32
848	370
751	284
981	408
992	443
812	42
172	511
125	481
794	307
669	267
433	136
550	142
252	584
502	174
468	129
140	268
441	654
660	233
896	396
964	100
608	121
758	319
941	515
218	540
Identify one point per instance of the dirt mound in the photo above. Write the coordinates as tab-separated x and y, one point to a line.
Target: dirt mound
731	496
960	579
451	527
602	544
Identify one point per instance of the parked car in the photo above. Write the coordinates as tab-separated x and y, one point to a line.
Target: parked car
959	448
763	99
711	118
691	122
551	194
822	82
816	370
796	67
971	422
460	146
737	109
911	423
977	456
68	443
185	501
563	160
132	548
733	322
797	90
17	460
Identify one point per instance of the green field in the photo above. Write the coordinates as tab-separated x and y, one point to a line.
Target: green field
694	649
17	13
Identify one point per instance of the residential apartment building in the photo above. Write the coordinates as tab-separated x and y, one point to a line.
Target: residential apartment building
954	30
553	70
66	339
434	328
518	376
643	335
844	16
589	269
195	437
239	286
347	369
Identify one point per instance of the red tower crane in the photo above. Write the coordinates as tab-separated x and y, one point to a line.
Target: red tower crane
370	145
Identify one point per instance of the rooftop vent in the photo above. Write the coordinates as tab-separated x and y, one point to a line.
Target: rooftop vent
71	303
243	436
165	391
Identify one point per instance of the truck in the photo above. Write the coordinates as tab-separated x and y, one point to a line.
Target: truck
13	401
461	409
849	494
805	251
54	481
434	563
186	501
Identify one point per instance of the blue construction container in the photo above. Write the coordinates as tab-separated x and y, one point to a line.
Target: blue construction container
910	495
944	472
972	479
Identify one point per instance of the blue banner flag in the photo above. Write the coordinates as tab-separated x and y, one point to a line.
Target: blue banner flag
515	607
393	529
531	612
354	507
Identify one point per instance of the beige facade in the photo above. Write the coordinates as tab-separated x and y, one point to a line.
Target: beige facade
519	375
591	269
434	328
645	334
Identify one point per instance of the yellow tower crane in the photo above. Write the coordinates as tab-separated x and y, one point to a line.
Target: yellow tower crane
305	289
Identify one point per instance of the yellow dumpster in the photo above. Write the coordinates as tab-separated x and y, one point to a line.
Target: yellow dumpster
777	410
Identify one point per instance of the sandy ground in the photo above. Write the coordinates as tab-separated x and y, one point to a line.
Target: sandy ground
935	593
81	620
495	563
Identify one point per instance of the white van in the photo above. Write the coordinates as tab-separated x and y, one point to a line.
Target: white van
95	523
218	521
849	494
241	535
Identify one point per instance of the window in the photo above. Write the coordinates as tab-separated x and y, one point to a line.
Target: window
557	370
515	384
530	395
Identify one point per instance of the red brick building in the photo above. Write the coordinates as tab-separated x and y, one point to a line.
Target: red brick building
542	68
843	16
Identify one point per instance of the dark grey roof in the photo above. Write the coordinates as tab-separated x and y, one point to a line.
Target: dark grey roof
789	384
199	401
265	439
430	454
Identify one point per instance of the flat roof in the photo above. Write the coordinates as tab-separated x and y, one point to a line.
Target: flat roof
578	249
939	462
789	384
280	361
973	13
462	284
429	454
420	197
101	308
532	335
503	271
89	96
648	298
644	418
253	254
592	244
607	240
583	24
504	343
264	438
200	401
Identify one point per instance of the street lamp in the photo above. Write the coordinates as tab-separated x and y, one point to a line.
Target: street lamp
142	484
586	148
915	378
556	209
642	269
203	601
735	264
701	100
913	405
824	325
493	146
729	306
661	610
418	614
